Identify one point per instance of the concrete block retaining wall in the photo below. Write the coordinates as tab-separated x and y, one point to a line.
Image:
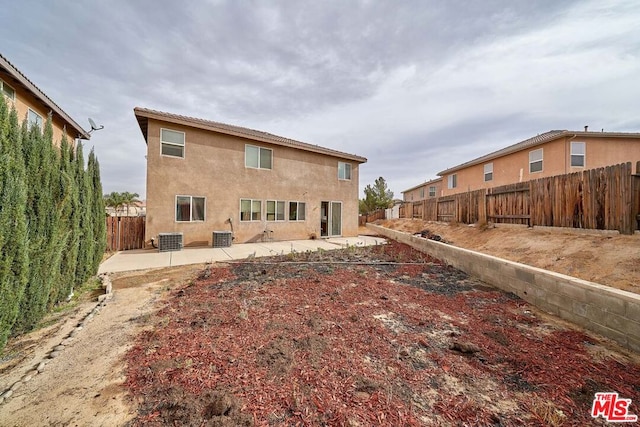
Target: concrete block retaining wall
607	311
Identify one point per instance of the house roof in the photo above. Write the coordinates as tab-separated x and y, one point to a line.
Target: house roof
31	87
433	181
535	141
144	114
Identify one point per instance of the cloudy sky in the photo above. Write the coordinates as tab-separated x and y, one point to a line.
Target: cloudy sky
414	86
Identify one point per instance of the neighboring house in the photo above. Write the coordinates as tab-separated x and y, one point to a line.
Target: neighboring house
33	105
556	152
205	176
426	190
135	209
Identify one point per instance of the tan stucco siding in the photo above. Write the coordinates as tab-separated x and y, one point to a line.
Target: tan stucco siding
422	192
513	168
24	101
214	168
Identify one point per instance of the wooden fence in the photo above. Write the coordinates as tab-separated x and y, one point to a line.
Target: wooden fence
604	199
125	232
370	217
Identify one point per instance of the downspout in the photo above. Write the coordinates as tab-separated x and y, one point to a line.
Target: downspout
567	146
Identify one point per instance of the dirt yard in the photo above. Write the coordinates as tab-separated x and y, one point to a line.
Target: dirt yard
379	336
83	386
608	259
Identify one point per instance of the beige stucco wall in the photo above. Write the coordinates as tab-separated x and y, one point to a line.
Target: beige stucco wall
214	168
513	168
25	100
417	194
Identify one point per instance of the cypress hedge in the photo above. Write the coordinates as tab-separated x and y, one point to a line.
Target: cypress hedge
52	224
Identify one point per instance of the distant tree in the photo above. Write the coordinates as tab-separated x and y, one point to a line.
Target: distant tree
118	201
376	197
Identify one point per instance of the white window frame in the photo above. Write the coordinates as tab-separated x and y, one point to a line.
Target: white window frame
255	214
172	143
452	181
3	85
533	155
422	193
304	211
275	212
432	191
259	159
582	155
39	121
344	171
191	208
488	172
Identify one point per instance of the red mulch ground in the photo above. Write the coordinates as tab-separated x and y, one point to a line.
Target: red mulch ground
382	336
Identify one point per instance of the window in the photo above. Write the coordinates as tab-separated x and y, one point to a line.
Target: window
250	210
275	210
189	208
535	160
452	181
8	91
172	143
488	172
297	211
257	157
432	191
344	170
34	118
577	154
422	193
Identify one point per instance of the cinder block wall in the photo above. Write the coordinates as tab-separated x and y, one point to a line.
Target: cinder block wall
607	311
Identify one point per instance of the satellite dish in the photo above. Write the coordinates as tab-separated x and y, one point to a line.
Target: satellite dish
94	126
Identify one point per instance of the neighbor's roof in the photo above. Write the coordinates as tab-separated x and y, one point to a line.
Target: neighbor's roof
28	85
143	115
538	140
433	181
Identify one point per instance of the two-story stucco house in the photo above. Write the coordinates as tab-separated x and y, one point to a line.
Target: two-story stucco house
426	190
556	152
33	105
204	176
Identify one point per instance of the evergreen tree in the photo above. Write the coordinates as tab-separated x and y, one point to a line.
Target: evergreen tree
85	248
69	215
98	214
376	197
14	255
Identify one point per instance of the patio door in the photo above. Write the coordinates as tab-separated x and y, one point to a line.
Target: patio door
330	219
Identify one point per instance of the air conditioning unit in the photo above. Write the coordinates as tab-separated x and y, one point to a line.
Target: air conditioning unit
169	242
221	239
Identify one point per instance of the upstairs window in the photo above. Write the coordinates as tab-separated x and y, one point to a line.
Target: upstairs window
7	90
488	172
189	208
344	170
432	191
275	210
172	143
577	154
422	193
250	210
258	157
297	211
535	160
34	118
452	181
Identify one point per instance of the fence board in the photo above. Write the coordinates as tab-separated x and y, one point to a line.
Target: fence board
605	198
125	232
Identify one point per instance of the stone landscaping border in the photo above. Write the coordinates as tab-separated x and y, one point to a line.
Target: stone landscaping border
58	349
607	311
